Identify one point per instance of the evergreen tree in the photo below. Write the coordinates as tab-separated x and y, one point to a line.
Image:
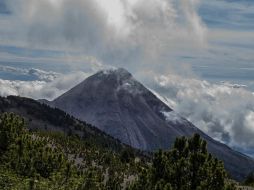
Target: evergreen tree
250	179
53	160
188	166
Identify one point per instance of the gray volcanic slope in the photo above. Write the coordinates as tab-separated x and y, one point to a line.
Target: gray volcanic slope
116	103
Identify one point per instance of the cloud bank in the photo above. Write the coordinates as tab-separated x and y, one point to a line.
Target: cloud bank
32	74
223	111
42	84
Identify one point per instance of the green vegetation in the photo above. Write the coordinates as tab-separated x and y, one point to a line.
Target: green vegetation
46	160
30	161
250	180
188	166
40	159
42	117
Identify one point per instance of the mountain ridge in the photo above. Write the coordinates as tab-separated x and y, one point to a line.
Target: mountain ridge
116	103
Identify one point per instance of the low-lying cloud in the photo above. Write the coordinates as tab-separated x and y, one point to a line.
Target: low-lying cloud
45	87
34	74
223	111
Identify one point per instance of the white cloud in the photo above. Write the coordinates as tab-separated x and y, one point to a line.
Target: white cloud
20	88
249	121
144	32
222	111
41	89
37	74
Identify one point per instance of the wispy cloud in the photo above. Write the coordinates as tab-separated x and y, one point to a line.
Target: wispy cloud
153	30
228	14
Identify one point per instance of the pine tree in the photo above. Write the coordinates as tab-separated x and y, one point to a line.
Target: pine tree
188	166
250	179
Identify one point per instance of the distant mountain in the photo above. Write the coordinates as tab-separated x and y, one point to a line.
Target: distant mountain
119	105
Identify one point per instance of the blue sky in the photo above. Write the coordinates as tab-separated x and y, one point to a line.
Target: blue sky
181	49
231	52
228	14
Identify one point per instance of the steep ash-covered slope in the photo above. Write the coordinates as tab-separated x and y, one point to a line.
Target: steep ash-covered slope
116	103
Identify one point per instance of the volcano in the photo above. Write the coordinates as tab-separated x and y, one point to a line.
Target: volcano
116	103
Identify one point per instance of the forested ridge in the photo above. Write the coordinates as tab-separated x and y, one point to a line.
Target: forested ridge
44	118
52	160
45	148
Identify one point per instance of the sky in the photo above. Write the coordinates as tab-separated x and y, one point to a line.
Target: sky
197	54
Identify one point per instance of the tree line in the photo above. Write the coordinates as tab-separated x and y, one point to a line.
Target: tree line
54	160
